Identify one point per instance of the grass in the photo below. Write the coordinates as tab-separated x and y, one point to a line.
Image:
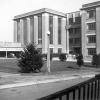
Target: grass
10	65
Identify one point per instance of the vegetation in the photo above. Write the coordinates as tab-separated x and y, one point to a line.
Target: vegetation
96	60
30	59
62	57
79	60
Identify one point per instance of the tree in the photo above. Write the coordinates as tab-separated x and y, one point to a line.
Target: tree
79	60
30	59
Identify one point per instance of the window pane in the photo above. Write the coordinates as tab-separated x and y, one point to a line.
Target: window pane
51	28
91	51
39	29
59	30
92	39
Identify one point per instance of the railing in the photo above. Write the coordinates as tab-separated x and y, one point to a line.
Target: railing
88	90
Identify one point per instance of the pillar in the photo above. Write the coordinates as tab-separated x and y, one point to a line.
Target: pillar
63	33
45	29
15	31
55	33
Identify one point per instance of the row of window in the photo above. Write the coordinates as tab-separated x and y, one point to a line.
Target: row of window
77	20
74	41
91	51
92	39
74	31
51	50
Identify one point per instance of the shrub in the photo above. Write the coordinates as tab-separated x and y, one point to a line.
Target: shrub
79	60
30	59
62	57
95	59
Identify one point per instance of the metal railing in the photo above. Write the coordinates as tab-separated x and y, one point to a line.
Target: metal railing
87	90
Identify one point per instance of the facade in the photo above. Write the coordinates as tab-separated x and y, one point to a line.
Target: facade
33	27
10	49
74	31
77	32
90	29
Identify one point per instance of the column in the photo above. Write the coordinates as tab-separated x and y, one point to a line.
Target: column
98	30
28	30
63	33
22	31
15	31
36	30
55	33
83	34
45	29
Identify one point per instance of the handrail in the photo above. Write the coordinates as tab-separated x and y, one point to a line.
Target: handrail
93	83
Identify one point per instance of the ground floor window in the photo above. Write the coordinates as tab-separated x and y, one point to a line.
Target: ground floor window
59	50
91	51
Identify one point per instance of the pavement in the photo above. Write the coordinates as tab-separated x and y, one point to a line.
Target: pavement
10	80
36	85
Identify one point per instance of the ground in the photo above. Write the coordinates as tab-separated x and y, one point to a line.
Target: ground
15	86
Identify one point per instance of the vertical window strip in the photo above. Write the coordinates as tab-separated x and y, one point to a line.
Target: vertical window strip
59	30
40	29
51	28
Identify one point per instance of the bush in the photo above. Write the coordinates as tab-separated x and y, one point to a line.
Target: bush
95	59
79	60
62	57
30	59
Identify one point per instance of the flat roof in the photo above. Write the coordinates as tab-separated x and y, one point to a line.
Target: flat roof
43	10
89	5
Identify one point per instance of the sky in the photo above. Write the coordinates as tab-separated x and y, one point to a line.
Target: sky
11	8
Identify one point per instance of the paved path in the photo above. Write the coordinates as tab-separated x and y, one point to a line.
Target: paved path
33	86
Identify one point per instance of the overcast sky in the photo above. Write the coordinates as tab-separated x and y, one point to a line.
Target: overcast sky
11	8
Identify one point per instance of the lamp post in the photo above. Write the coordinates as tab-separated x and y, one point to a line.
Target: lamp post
48	52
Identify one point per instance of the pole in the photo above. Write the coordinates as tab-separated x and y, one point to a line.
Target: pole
48	53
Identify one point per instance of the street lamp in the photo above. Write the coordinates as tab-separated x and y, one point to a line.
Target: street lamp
48	52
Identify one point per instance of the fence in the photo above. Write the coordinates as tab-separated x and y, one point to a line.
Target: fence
88	90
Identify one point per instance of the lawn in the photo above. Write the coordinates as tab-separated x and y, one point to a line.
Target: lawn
10	65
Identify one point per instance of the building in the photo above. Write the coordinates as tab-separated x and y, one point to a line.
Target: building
10	49
33	27
77	32
74	31
90	29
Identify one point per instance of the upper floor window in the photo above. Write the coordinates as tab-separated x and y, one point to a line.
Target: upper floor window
78	20
91	51
91	26
92	39
77	30
91	14
51	28
59	30
70	21
70	31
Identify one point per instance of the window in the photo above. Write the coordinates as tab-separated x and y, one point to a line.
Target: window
51	28
59	50
70	21
91	14
18	31
71	41
91	51
39	29
59	30
91	26
92	39
71	31
78	20
77	30
51	50
77	41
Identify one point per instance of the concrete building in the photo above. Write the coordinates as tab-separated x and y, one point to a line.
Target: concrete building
74	31
10	49
90	29
33	27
